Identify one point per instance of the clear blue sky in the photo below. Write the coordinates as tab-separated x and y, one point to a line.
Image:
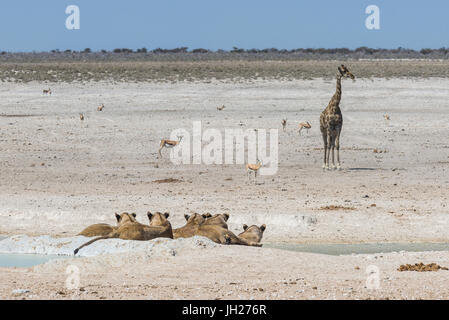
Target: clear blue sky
31	25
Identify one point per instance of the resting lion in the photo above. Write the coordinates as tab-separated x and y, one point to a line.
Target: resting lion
216	229
191	227
211	227
218	219
130	229
253	233
195	220
101	229
220	235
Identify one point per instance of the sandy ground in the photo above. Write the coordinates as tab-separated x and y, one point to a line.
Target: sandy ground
230	273
60	174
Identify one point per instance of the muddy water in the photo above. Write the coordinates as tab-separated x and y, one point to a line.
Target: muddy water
361	248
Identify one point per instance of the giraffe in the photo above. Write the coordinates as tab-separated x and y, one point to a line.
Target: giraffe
331	121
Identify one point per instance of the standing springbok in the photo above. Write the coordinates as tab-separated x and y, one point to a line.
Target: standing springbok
284	124
253	168
168	144
46	92
304	125
100	108
221	108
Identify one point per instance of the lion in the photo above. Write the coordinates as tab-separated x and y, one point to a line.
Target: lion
220	235
191	226
102	229
253	233
159	227
218	219
216	229
198	225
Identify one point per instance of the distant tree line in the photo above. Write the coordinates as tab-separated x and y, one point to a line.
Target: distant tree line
327	51
202	54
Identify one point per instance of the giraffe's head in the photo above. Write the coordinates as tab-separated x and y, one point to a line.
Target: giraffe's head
345	73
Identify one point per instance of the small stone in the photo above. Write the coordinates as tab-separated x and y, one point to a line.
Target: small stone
20	291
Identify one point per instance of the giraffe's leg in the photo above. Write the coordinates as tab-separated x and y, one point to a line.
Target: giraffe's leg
329	145
323	132
337	145
333	148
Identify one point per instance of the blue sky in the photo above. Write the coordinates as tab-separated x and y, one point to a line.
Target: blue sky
30	25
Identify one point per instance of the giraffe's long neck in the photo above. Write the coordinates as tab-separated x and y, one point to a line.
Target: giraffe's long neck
337	95
335	101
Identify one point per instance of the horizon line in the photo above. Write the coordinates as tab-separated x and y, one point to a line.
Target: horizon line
184	49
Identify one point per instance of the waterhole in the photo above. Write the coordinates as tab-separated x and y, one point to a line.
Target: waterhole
359	248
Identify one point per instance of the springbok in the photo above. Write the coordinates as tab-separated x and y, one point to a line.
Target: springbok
100	108
284	124
46	91
81	116
221	108
253	168
386	117
168	144
304	125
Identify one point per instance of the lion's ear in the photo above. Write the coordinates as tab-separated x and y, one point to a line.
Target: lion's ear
134	214
245	227
226	216
263	227
117	216
150	215
166	215
187	217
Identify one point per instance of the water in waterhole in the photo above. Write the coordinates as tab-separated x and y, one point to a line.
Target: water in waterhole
22	260
28	260
359	248
25	260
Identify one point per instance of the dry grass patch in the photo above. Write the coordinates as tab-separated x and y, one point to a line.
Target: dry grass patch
168	180
336	207
421	267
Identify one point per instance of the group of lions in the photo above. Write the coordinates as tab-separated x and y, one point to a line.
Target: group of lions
213	227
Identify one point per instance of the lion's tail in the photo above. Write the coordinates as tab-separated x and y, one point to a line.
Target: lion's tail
91	241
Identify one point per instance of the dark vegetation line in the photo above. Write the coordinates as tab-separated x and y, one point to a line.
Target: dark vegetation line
183	53
180	64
